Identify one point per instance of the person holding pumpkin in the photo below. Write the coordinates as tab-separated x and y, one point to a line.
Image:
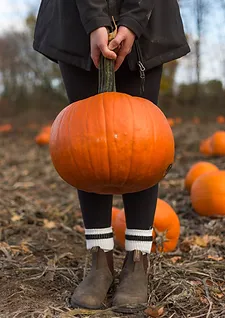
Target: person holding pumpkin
74	34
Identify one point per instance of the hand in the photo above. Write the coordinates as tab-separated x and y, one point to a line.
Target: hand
124	40
99	44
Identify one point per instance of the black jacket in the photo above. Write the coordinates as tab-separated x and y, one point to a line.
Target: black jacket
63	28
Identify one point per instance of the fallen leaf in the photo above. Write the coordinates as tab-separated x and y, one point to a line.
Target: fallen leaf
154	311
195	282
204	300
215	258
219	295
175	259
16	218
201	241
49	224
24	247
79	228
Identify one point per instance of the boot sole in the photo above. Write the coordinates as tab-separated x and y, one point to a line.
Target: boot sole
75	305
129	309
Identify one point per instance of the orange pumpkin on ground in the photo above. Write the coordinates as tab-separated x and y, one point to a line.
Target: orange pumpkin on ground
166	228
206	146
171	122
218	143
111	143
208	194
220	119
196	170
46	129
119	227
5	128
115	212
42	138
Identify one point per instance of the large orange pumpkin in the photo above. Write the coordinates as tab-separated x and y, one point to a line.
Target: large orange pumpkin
166	228
206	146
111	142
218	143
196	170
208	194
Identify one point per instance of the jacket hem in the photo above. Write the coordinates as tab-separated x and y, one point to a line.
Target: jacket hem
56	55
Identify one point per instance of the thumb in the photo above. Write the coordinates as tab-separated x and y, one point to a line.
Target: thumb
116	42
108	53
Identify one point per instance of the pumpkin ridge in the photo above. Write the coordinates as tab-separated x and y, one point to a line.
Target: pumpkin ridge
88	148
151	148
70	142
132	144
116	145
105	124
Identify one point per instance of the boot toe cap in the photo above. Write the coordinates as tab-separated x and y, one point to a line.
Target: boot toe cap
85	301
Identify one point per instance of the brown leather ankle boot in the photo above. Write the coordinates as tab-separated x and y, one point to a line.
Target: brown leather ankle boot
132	291
92	291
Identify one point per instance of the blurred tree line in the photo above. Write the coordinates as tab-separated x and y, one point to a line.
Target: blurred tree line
31	84
28	81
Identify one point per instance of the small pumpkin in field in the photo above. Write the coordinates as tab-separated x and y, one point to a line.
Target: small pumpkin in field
111	143
46	129
218	143
171	122
5	128
166	228
208	194
220	119
206	146
42	138
196	170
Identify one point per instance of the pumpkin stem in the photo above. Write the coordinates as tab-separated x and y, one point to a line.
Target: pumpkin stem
106	74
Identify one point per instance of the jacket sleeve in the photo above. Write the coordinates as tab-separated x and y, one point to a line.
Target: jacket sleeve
135	15
93	14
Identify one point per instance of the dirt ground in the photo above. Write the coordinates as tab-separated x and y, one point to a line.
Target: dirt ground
42	247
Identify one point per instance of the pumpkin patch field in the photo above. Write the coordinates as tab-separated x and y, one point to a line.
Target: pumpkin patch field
42	244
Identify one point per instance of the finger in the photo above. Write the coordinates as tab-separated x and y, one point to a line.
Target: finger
117	49
118	62
106	52
116	42
95	55
123	52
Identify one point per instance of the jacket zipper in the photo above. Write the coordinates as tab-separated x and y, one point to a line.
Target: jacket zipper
140	66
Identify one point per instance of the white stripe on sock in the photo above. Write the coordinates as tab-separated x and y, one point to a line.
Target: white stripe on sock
98	231
143	246
106	244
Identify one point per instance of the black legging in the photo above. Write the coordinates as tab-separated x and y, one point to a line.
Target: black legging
97	208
